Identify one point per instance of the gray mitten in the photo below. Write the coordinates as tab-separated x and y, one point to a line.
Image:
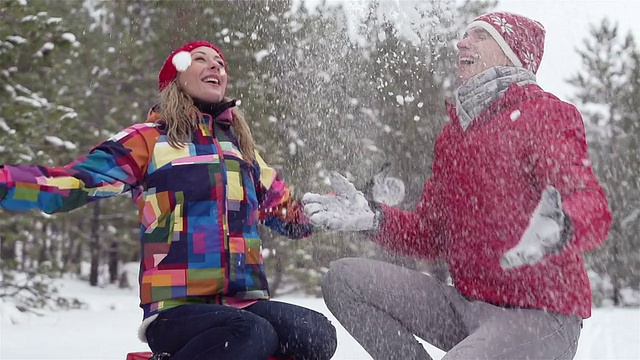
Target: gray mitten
384	189
548	232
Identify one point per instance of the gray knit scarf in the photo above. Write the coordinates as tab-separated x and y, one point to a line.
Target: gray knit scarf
475	95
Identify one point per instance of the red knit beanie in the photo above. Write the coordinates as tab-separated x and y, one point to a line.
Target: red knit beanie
521	38
168	71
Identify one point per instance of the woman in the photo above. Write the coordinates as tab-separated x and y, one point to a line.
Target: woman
201	189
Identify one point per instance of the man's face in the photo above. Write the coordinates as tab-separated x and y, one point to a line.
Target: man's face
477	52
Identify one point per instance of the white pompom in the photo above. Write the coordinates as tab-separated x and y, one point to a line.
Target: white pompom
182	60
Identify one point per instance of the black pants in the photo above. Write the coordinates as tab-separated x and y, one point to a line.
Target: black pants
264	329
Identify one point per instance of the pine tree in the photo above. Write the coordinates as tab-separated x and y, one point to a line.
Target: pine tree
38	43
609	98
35	47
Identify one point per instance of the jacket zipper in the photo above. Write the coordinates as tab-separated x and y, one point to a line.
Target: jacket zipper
223	170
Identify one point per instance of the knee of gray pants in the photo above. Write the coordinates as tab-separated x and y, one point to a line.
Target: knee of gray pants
340	273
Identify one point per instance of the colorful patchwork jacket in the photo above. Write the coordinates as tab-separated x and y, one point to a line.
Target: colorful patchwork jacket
199	207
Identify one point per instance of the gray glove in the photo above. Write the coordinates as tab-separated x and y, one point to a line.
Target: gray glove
548	232
384	189
345	210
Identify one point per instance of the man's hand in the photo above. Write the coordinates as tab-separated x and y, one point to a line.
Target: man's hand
345	210
546	233
385	189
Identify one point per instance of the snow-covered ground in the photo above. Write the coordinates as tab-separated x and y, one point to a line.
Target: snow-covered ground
106	329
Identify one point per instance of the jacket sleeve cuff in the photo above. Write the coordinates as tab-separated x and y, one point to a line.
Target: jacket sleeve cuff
378	218
566	231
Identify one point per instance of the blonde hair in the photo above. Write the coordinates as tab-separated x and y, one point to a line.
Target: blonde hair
181	118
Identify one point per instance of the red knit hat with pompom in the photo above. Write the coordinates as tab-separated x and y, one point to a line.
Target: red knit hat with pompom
169	71
520	38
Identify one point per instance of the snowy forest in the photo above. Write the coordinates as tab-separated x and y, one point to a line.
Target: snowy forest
319	94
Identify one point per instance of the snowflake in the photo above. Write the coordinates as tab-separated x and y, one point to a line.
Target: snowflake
529	60
182	60
504	25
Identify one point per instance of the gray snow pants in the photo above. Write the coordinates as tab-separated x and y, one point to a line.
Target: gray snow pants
383	306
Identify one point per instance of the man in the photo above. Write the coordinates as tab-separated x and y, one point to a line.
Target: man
511	205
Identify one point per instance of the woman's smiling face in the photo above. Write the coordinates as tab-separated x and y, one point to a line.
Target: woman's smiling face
206	78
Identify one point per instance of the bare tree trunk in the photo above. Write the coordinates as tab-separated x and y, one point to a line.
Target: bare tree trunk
615	253
278	273
67	247
114	259
95	244
8	247
43	255
614	204
76	257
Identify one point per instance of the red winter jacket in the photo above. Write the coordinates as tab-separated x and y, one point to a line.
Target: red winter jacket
486	183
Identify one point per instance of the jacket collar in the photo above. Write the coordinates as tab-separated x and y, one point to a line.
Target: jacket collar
515	94
215	110
219	112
